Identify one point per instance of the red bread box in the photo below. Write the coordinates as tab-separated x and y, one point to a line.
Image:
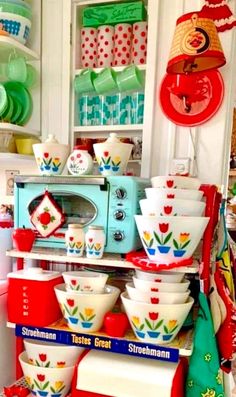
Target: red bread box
31	298
104	374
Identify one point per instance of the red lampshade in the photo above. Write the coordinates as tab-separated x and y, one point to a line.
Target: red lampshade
196	45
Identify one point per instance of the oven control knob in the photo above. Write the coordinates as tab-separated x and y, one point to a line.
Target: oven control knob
121	193
118	236
119	215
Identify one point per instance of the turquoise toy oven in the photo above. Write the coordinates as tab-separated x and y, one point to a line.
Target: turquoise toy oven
108	201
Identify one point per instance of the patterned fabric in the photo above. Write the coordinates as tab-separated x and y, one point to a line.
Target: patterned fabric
204	376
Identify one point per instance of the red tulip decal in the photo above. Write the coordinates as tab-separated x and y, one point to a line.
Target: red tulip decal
70	302
158	280
73	282
71	238
168	209
163	227
154	300
46	155
43	357
154	325
161	239
153	316
41	378
170	196
106	154
170	183
154	289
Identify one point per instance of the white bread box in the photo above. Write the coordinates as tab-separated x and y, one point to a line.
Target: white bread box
100	374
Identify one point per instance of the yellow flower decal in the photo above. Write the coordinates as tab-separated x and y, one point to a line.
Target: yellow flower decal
28	380
31	361
56	161
147	236
183	237
58	384
117	159
97	246
136	321
88	312
208	357
172	324
209	393
219	378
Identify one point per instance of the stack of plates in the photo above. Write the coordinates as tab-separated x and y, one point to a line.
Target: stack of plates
16	103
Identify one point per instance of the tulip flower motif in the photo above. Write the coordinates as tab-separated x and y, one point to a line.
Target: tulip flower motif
47	161
136	323
86	317
170	183
171	326
162	239
56	164
167	209
70	308
90	245
170	196
61	364
58	387
183	241
39	383
148	241
106	159
153	324
42	360
154	300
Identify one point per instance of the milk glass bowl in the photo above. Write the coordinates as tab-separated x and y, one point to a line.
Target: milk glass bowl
49	354
85	281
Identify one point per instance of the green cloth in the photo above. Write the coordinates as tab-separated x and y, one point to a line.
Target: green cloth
204	375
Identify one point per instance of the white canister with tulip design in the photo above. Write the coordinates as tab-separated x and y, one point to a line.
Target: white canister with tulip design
74	238
95	242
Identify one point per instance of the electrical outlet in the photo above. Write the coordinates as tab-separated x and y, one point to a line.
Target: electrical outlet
180	166
10	181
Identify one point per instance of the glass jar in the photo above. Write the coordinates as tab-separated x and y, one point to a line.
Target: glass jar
74	238
80	162
95	242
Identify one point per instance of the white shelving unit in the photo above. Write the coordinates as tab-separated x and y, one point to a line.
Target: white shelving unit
9	45
18	129
131	130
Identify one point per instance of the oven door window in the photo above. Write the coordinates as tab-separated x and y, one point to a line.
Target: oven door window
77	209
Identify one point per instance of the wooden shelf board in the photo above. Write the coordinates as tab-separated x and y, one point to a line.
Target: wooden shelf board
59	255
232	172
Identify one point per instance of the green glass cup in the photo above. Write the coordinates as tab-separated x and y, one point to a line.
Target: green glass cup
105	82
130	79
3	100
16	68
84	83
31	78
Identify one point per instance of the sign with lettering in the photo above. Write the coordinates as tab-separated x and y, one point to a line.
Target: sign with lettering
92	341
114	13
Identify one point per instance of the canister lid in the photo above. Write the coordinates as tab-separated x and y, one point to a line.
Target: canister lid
95	227
75	226
34	273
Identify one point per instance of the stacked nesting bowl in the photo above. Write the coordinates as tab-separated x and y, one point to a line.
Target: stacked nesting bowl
172	221
157	305
84	299
48	367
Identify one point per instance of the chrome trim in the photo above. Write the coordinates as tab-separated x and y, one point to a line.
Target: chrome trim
66	180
